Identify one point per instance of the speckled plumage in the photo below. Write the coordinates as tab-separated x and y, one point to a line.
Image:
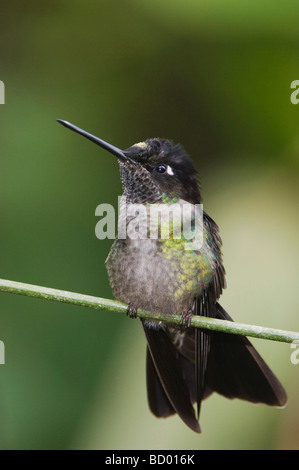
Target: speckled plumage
160	275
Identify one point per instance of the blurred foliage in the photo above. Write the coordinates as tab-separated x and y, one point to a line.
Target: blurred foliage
214	76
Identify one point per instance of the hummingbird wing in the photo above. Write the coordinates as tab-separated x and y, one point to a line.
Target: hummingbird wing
236	370
205	305
168	383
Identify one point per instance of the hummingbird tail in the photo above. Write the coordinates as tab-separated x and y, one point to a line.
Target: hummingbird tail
227	364
236	370
168	378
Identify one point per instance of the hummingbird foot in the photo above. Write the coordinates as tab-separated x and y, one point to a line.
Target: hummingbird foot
186	319
132	311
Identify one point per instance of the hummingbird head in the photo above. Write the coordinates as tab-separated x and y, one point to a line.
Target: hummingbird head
166	165
152	170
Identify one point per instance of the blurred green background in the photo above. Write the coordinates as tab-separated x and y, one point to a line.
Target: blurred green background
212	75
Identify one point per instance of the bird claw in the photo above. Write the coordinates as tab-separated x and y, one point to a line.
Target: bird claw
131	311
186	319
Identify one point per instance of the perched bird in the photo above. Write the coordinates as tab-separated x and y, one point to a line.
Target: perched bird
184	365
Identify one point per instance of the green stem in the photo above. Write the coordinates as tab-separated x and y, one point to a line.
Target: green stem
114	306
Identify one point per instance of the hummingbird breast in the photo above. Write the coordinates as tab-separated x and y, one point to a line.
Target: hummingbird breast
159	275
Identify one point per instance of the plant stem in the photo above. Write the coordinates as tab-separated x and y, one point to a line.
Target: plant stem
115	306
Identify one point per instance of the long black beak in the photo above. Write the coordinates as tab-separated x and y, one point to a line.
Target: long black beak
116	151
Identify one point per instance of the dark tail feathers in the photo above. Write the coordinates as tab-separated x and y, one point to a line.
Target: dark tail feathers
234	369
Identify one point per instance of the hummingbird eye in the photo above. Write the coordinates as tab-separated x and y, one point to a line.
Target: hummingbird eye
164	168
161	168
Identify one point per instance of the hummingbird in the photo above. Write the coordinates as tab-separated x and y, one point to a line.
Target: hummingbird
184	365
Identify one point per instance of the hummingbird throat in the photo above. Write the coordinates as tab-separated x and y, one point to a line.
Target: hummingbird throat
179	222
